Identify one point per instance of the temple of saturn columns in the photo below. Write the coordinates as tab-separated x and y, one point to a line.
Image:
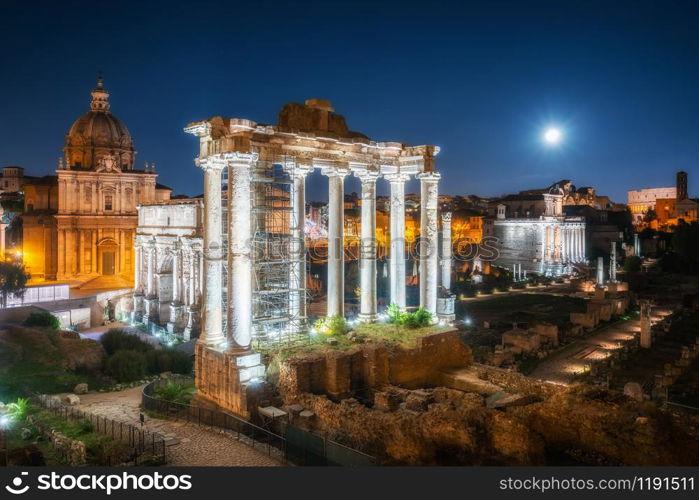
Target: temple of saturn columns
253	241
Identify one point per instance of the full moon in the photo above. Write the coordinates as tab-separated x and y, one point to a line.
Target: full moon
553	136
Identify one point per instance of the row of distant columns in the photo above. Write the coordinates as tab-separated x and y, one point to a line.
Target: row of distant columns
564	243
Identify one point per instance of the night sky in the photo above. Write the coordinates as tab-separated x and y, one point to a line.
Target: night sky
478	79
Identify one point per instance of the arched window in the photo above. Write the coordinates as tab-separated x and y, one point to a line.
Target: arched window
108	202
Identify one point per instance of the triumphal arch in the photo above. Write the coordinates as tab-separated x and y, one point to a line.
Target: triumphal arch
253	244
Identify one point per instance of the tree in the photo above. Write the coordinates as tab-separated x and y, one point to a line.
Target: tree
13	281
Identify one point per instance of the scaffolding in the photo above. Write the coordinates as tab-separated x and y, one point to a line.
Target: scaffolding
277	280
278	283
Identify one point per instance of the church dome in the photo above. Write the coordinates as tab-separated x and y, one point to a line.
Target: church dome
98	133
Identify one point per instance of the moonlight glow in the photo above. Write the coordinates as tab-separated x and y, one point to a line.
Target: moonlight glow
553	136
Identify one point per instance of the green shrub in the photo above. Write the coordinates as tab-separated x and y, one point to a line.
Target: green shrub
117	340
331	325
418	319
395	314
18	409
42	319
127	366
168	360
175	392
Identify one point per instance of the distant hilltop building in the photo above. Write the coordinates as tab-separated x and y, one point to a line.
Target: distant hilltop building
661	208
80	224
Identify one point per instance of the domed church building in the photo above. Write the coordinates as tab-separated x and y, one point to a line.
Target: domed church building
79	225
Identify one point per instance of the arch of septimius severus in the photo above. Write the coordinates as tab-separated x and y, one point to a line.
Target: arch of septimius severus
243	153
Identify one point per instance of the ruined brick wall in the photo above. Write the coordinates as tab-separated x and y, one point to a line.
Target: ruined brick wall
452	430
218	383
340	373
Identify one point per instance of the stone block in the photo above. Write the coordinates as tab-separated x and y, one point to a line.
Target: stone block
80	389
388	401
71	399
418	400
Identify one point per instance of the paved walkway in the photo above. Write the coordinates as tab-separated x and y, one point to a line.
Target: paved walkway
561	367
190	445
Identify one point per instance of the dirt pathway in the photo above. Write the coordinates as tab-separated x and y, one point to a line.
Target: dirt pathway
192	445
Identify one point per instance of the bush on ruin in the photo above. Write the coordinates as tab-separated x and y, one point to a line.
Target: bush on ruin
331	325
116	340
127	366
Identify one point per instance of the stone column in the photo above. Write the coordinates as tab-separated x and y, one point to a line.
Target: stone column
367	263
446	250
93	264
397	246
150	276
297	272
176	303
137	274
336	247
240	167
583	257
429	254
212	310
600	272
176	276
612	263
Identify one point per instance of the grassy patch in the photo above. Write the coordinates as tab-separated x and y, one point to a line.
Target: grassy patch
99	447
388	334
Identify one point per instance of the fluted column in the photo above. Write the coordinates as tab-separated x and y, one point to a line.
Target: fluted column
212	310
297	272
446	250
150	273
582	242
336	247
176	276
240	166
429	254
367	263
137	282
397	246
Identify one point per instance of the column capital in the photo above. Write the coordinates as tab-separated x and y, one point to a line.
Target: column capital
397	177
210	163
297	171
238	159
429	176
335	171
367	176
446	217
